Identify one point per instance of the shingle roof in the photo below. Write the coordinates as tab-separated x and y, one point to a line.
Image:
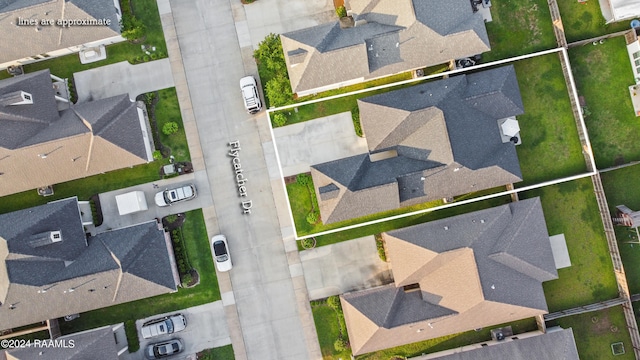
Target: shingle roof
399	35
75	274
83	140
446	137
96	344
554	345
473	270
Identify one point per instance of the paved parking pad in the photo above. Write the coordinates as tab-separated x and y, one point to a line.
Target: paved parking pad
206	329
343	267
317	141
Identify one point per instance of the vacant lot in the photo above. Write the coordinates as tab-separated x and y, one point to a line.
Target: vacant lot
519	27
622	188
596	331
603	75
571	209
550	145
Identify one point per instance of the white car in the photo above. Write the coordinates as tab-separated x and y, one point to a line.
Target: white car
221	253
166	325
250	95
170	196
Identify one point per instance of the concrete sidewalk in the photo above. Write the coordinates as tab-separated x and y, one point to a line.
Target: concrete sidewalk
317	141
123	78
344	267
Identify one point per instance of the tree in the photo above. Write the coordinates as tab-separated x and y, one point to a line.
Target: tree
279	120
170	128
132	28
269	52
278	91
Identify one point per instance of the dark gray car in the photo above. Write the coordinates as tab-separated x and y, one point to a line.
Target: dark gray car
164	349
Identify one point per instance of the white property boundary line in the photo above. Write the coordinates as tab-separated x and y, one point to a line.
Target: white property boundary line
573	92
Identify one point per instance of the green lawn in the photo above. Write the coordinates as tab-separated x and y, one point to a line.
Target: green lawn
219	353
519	27
168	109
86	187
550	144
301	204
147	12
571	209
596	331
603	75
584	20
328	329
195	236
621	191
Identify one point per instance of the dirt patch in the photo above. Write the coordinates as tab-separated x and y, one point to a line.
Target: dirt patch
173	222
602	325
337	3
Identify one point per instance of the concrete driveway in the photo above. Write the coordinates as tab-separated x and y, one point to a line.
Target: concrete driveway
259	19
343	267
317	141
123	78
206	329
113	220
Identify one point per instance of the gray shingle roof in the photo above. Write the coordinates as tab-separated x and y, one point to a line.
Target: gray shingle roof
11	5
554	345
471	270
114	267
99	10
97	344
435	128
115	119
18	123
510	243
399	38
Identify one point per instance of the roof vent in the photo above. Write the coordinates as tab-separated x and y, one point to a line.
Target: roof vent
482	221
16	98
45	238
446	228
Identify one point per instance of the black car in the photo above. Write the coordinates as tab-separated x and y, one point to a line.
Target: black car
163	349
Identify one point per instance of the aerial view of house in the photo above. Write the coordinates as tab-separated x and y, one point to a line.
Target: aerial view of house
457	274
51	268
375	179
44	141
383	38
32	32
426	142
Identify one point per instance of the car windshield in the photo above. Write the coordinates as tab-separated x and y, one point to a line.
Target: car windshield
169	324
220	251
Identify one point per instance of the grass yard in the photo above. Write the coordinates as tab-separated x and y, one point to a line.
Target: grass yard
585	21
596	331
219	353
300	201
86	187
603	75
571	209
328	329
550	147
621	191
168	109
519	27
147	12
197	242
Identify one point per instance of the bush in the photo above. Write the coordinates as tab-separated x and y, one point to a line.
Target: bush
146	58
380	247
170	128
355	116
157	155
278	120
341	345
334	303
132	335
303	179
308	243
278	91
341	11
186	279
312	217
132	28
